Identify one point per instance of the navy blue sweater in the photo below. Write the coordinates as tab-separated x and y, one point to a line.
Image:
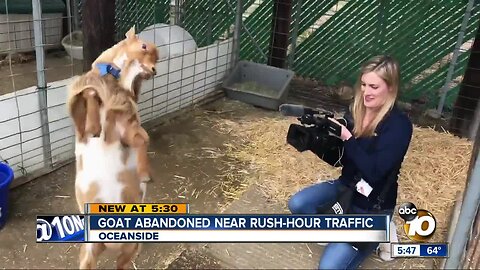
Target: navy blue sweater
375	162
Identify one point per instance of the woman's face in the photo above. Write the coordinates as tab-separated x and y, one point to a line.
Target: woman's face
375	90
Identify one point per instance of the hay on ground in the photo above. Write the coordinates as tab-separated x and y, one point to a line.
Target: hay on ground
433	171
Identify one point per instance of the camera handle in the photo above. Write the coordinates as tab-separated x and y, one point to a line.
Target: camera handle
331	127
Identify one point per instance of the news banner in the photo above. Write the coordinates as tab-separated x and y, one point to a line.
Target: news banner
162	223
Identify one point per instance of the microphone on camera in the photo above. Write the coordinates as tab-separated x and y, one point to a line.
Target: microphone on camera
296	110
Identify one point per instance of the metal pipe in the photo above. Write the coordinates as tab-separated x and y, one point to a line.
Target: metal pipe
41	82
467	215
76	15
237	33
296	23
239	22
69	17
472	134
456	52
209	22
177	12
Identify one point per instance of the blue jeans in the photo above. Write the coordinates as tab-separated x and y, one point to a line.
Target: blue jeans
335	255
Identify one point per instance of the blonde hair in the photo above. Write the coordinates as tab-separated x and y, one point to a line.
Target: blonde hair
388	69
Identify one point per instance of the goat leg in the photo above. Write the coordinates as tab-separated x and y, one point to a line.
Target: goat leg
92	123
143	168
137	137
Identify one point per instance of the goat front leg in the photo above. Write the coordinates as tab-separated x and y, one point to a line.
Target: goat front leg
137	137
143	163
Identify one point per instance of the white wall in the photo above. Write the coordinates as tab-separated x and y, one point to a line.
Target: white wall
180	82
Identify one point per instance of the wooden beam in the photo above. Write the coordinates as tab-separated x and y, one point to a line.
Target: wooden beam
98	28
282	15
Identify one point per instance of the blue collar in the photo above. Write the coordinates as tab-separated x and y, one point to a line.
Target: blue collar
108	69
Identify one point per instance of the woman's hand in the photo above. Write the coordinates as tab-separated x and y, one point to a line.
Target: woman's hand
345	134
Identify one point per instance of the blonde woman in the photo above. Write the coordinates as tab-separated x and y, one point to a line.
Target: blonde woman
374	147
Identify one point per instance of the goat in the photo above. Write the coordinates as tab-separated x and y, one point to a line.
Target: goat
111	154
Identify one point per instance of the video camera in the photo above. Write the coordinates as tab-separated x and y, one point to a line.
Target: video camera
316	132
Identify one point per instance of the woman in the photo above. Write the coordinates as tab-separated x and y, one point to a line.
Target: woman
374	148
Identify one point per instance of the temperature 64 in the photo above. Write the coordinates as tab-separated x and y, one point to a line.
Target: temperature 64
434	250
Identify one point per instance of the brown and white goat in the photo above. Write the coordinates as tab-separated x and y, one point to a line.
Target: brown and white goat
111	154
124	66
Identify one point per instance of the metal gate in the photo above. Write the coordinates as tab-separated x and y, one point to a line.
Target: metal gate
40	57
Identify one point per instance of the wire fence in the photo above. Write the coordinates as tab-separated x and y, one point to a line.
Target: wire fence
35	134
40	57
328	40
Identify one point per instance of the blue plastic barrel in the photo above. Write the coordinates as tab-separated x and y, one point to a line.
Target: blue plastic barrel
6	177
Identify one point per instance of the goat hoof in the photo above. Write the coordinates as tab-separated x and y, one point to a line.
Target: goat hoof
386	256
145	179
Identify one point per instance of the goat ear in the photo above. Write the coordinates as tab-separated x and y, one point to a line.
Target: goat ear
92	122
78	111
131	33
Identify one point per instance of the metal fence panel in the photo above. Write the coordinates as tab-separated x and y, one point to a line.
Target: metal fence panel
334	37
209	20
255	38
36	134
140	13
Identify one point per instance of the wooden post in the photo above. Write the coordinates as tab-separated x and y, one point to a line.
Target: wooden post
282	15
98	28
463	115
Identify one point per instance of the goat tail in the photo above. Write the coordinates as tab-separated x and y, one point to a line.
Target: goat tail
85	96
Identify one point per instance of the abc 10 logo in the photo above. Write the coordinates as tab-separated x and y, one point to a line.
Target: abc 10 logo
419	224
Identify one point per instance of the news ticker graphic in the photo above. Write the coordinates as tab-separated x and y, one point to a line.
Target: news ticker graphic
132	208
191	228
237	228
419	250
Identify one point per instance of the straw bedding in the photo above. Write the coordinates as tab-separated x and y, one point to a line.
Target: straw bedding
434	169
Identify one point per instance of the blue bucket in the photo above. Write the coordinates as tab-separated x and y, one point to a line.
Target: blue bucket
6	177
